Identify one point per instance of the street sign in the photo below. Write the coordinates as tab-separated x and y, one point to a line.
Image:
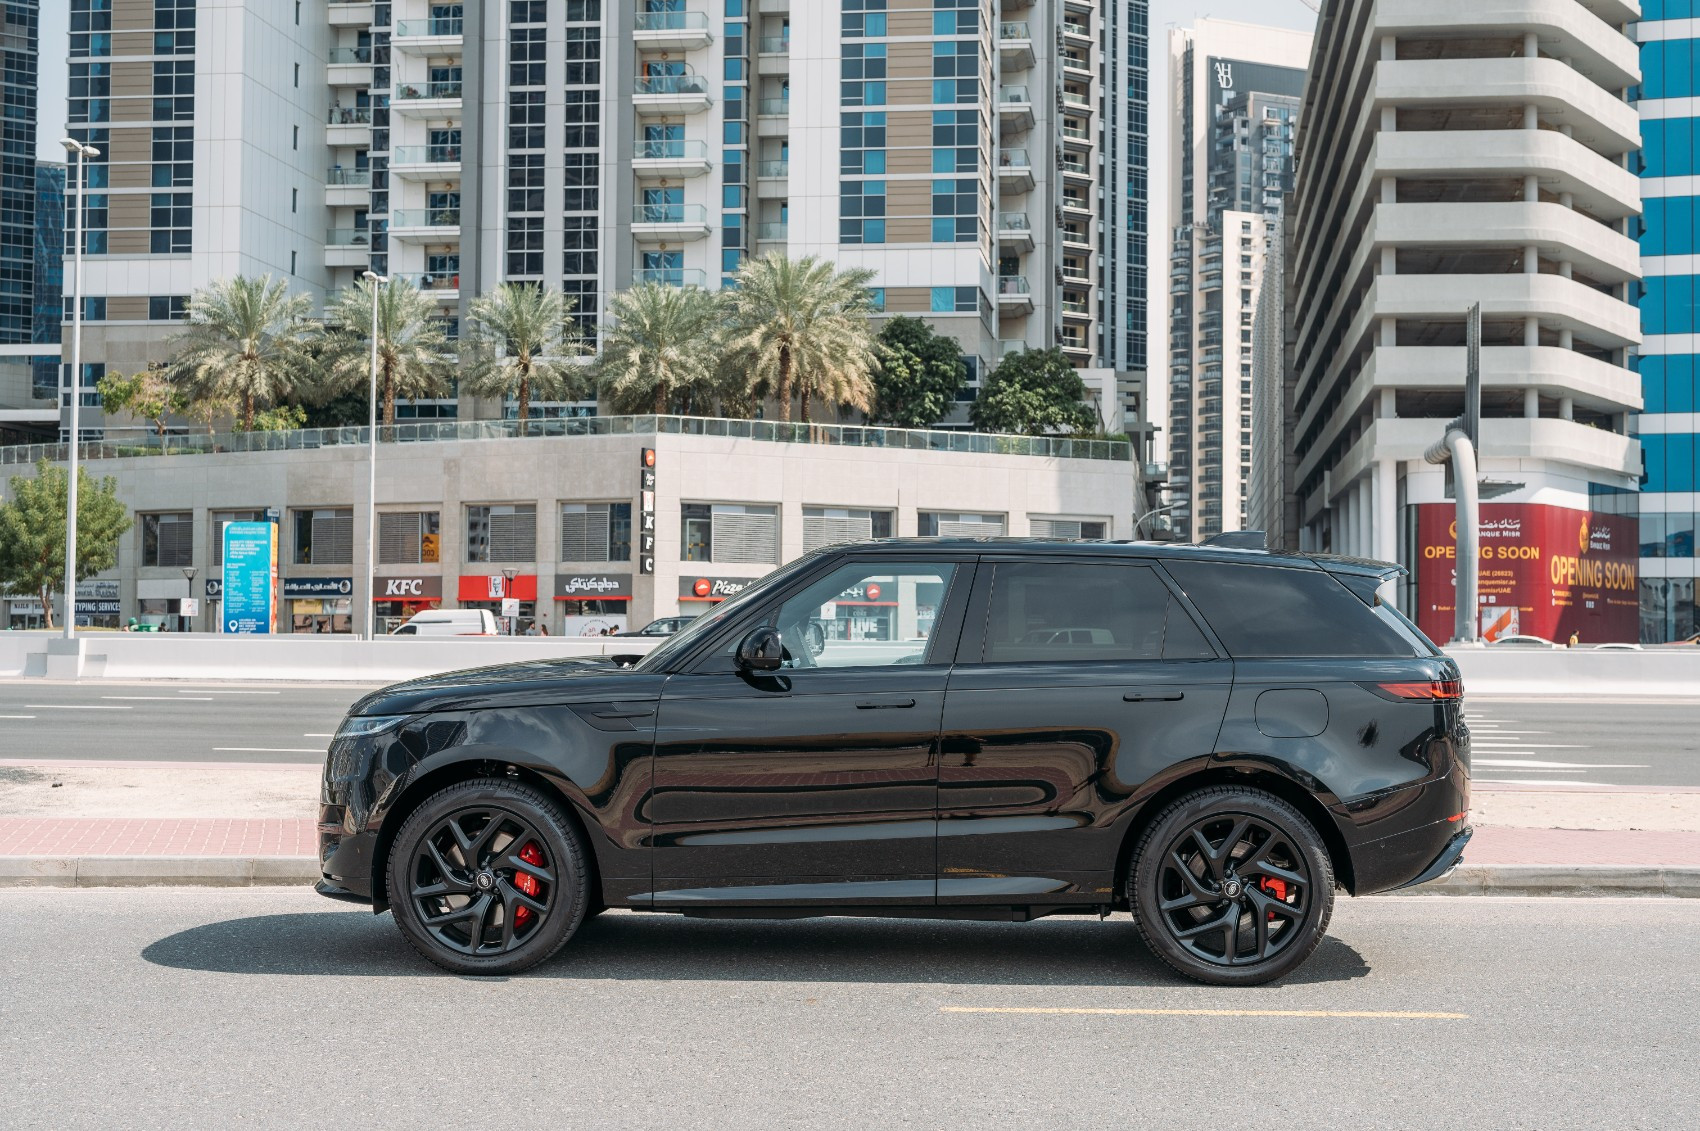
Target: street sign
510	606
189	607
250	578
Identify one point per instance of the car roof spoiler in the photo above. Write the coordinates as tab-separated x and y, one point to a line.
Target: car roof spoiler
1365	567
1238	540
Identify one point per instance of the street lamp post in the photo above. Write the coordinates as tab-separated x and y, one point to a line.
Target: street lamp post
81	152
369	616
189	573
1140	521
508	576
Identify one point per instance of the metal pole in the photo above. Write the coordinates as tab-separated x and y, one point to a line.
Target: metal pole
72	469
369	616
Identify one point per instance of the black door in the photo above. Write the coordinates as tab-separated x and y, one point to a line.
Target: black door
1077	683
816	783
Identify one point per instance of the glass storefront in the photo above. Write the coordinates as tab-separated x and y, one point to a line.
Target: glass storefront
319	614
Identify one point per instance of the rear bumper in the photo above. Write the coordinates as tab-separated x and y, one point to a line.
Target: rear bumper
1395	838
1450	857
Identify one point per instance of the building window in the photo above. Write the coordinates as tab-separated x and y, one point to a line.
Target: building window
295	137
168	539
173	156
728	532
506	533
324	537
581	174
956	17
956	205
596	532
525	245
950	525
408	537
956	70
584	52
864	19
861	207
825	526
527	50
863	72
1041	527
955	300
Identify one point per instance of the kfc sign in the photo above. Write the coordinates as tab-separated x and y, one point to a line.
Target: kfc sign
593	587
712	588
407	588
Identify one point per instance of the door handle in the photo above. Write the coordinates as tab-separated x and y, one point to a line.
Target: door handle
1153	696
625	713
883	704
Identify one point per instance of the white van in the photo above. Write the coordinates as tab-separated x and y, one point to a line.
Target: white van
449	622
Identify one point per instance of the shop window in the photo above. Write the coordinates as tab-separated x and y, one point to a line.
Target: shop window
408	537
324	537
596	532
168	539
506	533
728	532
824	526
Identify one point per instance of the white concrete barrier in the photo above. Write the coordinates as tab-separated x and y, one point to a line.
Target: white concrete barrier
139	655
1661	672
1652	671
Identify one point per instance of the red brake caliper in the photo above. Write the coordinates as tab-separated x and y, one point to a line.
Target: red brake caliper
526	882
1276	888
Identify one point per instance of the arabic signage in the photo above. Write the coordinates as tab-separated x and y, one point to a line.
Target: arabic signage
646	511
712	588
593	587
407	588
306	588
250	578
1545	571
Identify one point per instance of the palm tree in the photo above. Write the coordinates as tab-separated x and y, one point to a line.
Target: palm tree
663	341
803	325
521	345
246	343
411	344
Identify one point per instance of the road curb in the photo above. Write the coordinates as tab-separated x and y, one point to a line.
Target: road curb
156	871
292	871
1579	879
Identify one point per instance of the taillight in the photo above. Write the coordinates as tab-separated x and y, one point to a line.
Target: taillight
1426	689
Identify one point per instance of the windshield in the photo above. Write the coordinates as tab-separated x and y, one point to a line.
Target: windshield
699	629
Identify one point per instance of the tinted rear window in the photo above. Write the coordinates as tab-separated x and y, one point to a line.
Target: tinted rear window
1265	612
1074	611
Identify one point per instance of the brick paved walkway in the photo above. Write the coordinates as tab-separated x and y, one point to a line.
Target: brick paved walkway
198	836
219	836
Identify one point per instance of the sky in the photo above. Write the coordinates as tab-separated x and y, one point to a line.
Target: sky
1165	14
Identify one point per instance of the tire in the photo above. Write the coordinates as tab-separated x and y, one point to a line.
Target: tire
489	876
1231	886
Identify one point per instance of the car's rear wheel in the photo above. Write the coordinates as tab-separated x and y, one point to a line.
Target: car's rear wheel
1231	886
488	877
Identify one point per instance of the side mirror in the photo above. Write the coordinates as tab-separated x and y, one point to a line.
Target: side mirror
761	651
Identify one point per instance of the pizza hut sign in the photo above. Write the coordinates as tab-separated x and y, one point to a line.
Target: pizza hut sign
712	588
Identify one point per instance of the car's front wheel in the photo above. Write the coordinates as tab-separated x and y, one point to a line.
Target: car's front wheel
488	876
1231	886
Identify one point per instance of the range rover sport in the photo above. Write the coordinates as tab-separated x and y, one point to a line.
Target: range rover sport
1213	739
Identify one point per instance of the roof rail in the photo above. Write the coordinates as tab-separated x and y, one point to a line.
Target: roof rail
1238	540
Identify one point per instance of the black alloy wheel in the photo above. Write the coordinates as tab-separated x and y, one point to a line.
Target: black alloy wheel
1231	886
488	877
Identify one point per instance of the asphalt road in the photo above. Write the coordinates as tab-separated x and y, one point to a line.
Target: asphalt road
1583	744
171	721
212	1008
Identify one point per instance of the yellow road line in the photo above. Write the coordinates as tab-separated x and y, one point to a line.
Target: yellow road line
1377	1014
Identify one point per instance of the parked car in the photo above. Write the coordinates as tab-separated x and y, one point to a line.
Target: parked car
1685	642
449	622
1617	648
665	626
1522	641
1249	731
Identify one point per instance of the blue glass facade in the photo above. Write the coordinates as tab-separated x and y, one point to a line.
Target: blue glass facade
17	169
1670	322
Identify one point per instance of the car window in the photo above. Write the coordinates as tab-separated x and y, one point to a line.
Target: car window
1086	611
1263	612
865	614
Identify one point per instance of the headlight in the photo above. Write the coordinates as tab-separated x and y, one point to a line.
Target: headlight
356	726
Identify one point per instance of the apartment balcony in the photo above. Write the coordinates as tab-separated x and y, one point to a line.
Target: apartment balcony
1015	109
1015	171
349	66
774	231
778	45
349	126
1080	240
347	188
670	94
348	247
1076	134
1076	32
428	101
350	13
1076	63
425	225
773	170
669	157
1015	45
1074	168
1015	297
670	31
1015	231
1076	307
671	276
421	163
669	223
773	108
442	286
1078	205
437	36
1076	349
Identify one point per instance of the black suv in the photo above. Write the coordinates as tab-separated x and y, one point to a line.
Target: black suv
1210	738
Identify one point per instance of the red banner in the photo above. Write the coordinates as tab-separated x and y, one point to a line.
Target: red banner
1545	571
